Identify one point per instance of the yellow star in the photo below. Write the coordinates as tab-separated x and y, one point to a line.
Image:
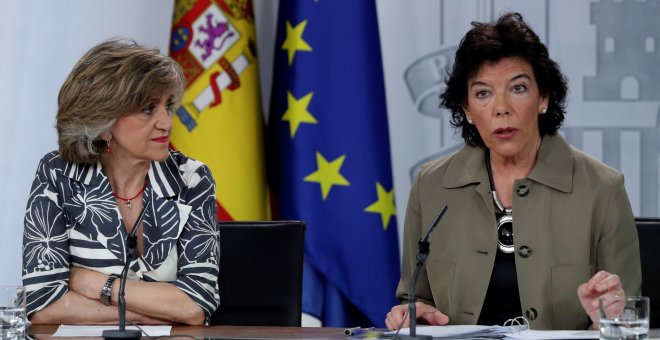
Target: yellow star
294	41
296	112
327	174
384	205
181	34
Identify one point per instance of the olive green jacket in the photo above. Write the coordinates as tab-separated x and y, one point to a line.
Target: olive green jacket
571	218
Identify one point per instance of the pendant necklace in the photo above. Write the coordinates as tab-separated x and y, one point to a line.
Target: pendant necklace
127	201
504	216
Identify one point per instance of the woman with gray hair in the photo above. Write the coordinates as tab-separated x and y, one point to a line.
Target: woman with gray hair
114	121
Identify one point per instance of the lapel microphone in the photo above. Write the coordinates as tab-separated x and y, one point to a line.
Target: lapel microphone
422	253
131	244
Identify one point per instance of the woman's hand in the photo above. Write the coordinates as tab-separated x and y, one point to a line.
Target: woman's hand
152	302
601	284
86	282
426	314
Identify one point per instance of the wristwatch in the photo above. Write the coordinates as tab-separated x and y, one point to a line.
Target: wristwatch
106	291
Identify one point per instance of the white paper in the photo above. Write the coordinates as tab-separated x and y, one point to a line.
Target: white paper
550	335
445	331
96	331
469	331
461	331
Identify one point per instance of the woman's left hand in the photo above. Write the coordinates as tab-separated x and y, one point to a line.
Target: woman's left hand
86	282
601	284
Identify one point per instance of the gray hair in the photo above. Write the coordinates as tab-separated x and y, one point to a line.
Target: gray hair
113	79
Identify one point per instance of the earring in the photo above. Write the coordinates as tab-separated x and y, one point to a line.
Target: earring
108	149
470	121
544	110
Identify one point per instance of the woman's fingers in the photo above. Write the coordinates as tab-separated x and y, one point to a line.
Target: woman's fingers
426	314
394	319
603	281
431	315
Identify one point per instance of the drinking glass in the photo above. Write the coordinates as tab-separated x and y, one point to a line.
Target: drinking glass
12	312
624	317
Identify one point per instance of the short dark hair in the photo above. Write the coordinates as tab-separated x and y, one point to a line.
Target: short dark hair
510	36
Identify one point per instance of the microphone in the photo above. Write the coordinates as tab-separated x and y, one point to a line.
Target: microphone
131	244
422	253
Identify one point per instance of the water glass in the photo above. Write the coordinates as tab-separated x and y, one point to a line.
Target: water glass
624	317
12	312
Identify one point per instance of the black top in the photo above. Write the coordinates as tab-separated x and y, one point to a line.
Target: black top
502	300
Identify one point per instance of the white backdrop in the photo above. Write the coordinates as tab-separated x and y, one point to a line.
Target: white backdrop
41	41
612	111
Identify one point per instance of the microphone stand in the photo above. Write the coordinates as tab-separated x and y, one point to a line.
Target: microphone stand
131	244
422	253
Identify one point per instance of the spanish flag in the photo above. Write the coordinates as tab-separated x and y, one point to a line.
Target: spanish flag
220	121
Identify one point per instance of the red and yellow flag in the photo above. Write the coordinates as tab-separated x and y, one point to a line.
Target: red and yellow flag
220	121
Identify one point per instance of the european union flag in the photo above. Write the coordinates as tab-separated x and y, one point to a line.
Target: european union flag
329	157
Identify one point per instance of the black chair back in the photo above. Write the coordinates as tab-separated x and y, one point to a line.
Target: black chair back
260	273
648	231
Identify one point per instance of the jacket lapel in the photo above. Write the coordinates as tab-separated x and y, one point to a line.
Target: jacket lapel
554	164
94	208
553	168
166	217
468	167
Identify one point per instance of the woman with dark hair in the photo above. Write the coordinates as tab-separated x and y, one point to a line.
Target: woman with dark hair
535	227
114	120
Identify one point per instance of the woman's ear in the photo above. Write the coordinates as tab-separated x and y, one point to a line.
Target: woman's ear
467	114
543	106
106	135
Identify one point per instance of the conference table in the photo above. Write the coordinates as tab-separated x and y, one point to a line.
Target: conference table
239	332
224	332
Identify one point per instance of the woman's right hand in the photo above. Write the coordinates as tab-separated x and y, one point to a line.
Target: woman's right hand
426	314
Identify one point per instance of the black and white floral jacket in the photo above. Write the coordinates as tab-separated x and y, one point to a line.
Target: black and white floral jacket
72	219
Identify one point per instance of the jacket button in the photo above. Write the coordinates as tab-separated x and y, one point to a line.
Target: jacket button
531	314
525	252
522	190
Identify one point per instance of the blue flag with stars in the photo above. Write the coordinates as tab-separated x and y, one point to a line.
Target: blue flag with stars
329	157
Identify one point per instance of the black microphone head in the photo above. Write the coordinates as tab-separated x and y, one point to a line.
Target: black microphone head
131	239
435	223
131	242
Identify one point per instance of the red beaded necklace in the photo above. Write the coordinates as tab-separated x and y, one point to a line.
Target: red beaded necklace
127	201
